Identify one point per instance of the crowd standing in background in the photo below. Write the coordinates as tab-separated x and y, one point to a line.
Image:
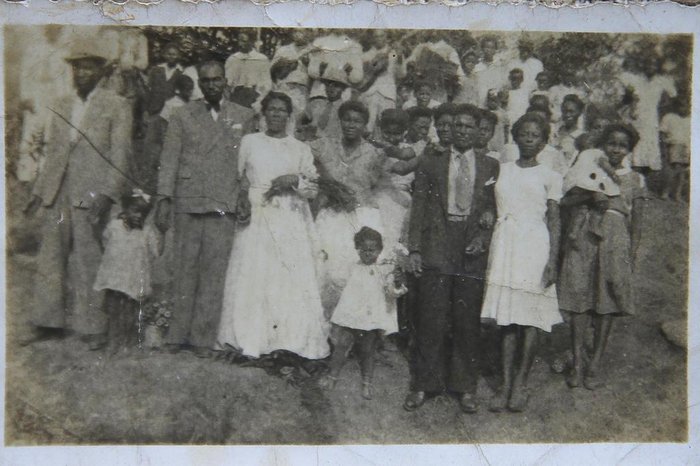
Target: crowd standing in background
474	177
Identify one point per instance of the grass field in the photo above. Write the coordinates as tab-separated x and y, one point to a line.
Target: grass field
59	393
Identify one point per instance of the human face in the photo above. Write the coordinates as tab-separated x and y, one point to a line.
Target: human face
404	93
530	140
468	63
486	130
334	90
244	43
171	56
493	102
299	38
423	96
134	215
465	132
597	127
543	83
516	79
443	127
212	83
525	52
570	112
419	130
617	147
380	39
393	134
369	251
489	50
352	125
650	66
276	116
86	74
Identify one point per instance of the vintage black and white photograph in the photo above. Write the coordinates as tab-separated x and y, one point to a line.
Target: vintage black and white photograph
345	236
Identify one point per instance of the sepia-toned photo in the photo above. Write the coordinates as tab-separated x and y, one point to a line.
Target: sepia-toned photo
345	236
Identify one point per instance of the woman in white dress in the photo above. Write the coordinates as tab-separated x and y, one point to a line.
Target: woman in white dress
520	293
272	300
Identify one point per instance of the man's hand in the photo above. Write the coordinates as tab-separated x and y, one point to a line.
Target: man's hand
475	248
32	206
243	208
415	264
99	209
163	214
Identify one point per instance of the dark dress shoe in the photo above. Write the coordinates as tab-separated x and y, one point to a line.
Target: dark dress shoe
414	400
468	404
38	334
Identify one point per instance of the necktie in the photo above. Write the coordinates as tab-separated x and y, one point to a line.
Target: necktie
463	195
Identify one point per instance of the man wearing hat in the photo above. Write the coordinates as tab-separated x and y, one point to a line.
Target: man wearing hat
322	113
87	153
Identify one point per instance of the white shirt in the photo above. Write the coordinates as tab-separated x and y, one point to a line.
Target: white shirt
78	114
170	71
455	157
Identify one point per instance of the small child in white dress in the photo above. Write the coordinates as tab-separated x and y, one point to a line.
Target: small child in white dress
130	248
367	308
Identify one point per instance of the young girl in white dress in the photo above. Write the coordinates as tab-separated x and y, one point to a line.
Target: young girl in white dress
271	297
520	293
366	310
130	247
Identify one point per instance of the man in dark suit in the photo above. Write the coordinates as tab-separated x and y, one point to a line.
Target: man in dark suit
451	221
199	183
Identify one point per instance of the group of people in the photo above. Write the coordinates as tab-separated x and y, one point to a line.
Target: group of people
314	206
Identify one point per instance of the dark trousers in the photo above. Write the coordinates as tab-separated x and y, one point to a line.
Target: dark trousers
123	320
446	320
202	249
446	331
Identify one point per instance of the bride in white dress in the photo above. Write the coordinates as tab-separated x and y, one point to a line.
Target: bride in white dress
271	299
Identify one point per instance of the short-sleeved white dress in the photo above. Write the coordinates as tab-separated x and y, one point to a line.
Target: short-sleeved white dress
520	249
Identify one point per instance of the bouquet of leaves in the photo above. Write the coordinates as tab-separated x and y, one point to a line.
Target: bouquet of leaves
335	195
158	314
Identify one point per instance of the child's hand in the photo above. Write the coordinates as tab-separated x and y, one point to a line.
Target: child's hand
487	220
549	276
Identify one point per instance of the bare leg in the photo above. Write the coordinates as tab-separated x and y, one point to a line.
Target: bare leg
508	346
367	347
343	340
602	334
528	355
579	325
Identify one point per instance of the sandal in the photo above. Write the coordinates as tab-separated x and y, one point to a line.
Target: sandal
499	401
367	390
518	399
327	382
413	401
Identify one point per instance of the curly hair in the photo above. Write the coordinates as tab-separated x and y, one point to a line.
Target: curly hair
632	134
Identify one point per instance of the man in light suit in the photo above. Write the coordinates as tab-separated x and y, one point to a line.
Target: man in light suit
87	155
199	185
451	221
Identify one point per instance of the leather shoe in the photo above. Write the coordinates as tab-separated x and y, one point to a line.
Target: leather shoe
413	401
468	404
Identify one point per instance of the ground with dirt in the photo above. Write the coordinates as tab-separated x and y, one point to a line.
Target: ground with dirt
57	392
